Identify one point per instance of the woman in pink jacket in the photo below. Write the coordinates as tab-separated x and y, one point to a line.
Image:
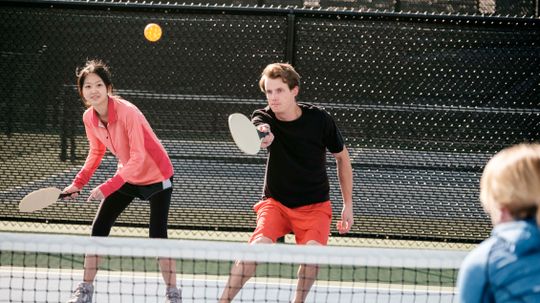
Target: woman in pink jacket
144	169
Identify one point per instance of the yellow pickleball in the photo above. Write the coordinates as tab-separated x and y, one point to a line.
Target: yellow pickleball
152	32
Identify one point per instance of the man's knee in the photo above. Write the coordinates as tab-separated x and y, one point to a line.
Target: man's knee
262	240
244	269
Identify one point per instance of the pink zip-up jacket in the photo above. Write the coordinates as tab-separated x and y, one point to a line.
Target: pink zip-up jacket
142	160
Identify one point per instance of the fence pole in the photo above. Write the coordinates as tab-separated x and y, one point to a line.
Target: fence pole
291	30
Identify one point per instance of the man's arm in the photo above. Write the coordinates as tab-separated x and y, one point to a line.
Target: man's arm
345	177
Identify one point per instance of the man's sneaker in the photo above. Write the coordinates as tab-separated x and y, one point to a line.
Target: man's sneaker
82	294
173	295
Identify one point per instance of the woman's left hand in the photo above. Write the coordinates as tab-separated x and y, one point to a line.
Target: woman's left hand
96	194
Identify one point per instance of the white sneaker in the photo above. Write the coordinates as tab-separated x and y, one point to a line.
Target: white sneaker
82	294
173	295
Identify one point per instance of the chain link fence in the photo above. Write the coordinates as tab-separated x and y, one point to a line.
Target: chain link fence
423	101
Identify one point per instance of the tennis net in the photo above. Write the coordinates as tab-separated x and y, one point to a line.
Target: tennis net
46	268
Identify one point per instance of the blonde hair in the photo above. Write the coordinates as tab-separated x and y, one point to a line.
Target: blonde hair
284	71
511	179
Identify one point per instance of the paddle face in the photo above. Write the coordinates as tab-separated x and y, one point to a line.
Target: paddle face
39	199
244	134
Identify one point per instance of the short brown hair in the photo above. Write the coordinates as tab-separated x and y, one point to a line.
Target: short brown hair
284	71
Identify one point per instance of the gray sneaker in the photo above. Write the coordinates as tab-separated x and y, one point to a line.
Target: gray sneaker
82	294
173	295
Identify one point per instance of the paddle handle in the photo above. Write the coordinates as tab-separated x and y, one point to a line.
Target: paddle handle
262	134
63	195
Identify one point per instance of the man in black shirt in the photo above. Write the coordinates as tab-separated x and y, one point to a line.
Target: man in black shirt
296	190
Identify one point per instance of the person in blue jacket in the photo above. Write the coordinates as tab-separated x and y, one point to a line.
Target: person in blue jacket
506	266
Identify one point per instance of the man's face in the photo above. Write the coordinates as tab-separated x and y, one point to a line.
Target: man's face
281	99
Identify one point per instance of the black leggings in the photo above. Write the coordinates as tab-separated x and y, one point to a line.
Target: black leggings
114	205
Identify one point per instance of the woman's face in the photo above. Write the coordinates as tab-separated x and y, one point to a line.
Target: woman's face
95	91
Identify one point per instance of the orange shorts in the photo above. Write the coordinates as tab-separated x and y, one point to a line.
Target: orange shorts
310	222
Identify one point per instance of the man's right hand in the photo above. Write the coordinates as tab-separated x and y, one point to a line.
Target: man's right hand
269	138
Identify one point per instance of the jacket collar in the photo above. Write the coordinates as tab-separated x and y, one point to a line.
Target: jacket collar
523	235
111	112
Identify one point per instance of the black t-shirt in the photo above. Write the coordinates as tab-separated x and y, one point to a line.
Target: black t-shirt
296	166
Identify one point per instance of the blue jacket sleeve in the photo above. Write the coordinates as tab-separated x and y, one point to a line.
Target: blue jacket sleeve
472	284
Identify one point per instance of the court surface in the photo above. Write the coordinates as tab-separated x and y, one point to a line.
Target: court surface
41	285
